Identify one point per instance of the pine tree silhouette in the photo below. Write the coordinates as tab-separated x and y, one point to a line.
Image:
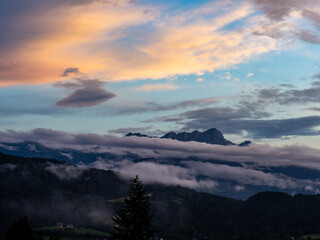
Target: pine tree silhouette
133	220
20	229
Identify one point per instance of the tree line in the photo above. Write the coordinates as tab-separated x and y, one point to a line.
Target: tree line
132	221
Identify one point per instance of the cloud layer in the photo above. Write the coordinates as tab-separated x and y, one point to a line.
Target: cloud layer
213	168
259	154
152	172
97	37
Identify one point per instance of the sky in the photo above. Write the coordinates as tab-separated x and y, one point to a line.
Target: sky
249	68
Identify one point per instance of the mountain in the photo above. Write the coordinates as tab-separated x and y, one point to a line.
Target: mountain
32	149
211	136
136	135
51	191
244	144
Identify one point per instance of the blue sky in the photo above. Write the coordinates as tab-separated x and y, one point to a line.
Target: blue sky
249	68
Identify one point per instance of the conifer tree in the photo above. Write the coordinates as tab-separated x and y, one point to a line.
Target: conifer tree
20	229
133	220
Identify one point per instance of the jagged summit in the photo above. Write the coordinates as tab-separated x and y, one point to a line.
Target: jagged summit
212	136
136	135
245	144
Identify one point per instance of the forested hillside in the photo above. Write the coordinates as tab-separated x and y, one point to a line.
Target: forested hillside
51	191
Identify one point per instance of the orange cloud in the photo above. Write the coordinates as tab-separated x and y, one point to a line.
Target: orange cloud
184	46
98	39
64	38
156	87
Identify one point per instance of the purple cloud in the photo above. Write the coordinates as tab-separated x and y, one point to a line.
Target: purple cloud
90	93
69	71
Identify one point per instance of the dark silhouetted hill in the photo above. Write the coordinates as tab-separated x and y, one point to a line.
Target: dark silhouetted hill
130	134
245	144
51	191
211	136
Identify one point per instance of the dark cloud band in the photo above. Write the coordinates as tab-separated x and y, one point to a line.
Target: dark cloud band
90	93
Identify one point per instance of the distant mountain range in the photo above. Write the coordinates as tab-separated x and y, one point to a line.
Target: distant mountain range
207	173
211	136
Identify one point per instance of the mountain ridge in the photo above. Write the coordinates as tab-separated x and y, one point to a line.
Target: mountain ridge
130	134
210	136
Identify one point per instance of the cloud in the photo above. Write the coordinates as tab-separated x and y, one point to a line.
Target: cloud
32	148
240	175
70	71
259	154
42	38
316	76
198	102
287	19
273	128
251	114
156	87
85	98
65	172
6	147
250	74
287	85
246	117
199	166
290	96
192	46
91	93
239	188
315	109
276	128
277	10
68	155
202	175
152	172
150	106
313	15
307	36
224	113
7	166
199	79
